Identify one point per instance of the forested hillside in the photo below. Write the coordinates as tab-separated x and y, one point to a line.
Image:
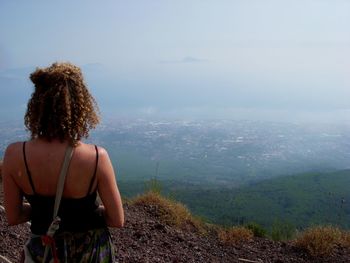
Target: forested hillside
298	200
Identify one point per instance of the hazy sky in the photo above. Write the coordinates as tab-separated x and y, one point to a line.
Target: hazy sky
240	59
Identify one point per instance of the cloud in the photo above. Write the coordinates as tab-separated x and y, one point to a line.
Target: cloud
188	59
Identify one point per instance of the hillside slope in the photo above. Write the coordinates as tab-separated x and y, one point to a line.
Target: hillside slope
301	200
146	238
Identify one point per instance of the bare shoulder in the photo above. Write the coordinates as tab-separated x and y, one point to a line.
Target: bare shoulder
11	157
104	160
86	147
102	152
13	150
105	165
14	146
89	150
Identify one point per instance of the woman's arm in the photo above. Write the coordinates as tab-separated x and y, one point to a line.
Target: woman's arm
108	190
17	212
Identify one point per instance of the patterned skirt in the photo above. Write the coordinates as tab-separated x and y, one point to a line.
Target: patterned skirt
92	246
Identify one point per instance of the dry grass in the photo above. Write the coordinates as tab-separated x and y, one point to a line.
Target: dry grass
320	240
346	239
0	170
235	235
170	212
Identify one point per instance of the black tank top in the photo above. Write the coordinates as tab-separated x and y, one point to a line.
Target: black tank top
77	214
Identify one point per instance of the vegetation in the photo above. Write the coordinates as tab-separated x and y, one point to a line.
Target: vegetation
320	240
257	229
169	211
346	239
304	200
234	235
154	186
282	230
279	206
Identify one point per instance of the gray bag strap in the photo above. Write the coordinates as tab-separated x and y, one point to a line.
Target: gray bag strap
61	179
59	191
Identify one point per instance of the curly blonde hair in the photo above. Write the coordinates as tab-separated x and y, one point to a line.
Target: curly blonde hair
61	106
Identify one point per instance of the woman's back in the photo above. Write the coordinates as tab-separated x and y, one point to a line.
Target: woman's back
44	160
78	212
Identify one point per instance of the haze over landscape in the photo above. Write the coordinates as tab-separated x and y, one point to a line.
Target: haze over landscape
274	60
207	96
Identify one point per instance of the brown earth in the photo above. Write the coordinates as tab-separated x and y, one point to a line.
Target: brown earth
146	239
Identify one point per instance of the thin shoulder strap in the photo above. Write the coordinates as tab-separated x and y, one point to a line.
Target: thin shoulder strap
61	179
94	175
27	169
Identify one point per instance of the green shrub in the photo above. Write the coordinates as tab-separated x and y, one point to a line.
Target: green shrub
257	229
282	230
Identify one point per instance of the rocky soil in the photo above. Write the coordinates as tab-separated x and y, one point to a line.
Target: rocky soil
146	239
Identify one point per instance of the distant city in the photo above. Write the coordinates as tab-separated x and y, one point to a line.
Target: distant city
223	151
216	151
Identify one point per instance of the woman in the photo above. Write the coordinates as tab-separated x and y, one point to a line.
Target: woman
61	112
